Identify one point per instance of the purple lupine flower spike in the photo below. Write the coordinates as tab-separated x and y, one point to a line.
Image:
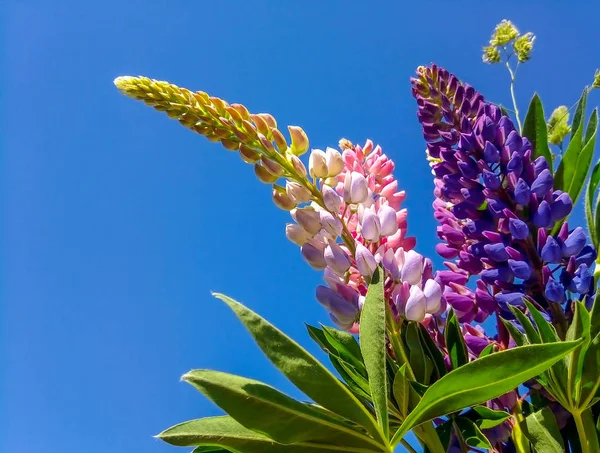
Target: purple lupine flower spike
496	205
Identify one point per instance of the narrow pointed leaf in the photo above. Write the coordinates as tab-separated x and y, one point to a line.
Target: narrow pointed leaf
487	418
584	159
532	335
535	129
579	112
515	333
455	342
542	431
264	409
417	358
306	372
433	352
484	379
472	434
489	349
227	433
346	347
373	344
546	330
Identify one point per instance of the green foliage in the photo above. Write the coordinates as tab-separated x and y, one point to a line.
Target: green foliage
455	342
542	431
484	379
536	130
373	347
306	372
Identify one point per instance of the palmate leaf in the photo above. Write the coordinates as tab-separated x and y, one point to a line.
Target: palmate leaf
482	380
305	371
228	434
262	408
372	344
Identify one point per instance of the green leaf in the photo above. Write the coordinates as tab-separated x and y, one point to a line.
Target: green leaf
352	377
542	431
589	203
262	408
546	330
209	449
572	170
487	418
404	394
595	316
227	433
535	129
532	335
484	379
579	112
472	434
444	432
433	352
584	160
455	342
373	347
306	372
417	358
515	333
347	348
489	349
590	374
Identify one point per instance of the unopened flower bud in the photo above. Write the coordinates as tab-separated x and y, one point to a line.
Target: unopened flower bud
248	155
263	175
355	188
297	234
282	200
413	267
344	311
336	258
365	261
330	223
309	219
387	217
313	256
299	140
271	166
433	295
415	307
297	164
317	164
331	199
280	141
332	181
335	163
370	226
261	125
297	192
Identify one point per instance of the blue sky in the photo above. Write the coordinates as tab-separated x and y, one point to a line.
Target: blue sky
117	222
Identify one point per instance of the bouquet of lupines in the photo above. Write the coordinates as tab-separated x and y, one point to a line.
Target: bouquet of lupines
407	347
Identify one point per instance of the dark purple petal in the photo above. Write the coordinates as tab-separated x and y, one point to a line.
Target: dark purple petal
491	155
476	344
485	300
445	251
496	208
521	269
587	256
522	192
513	143
496	252
551	252
540	164
574	243
561	207
543	183
502	274
515	164
541	218
508	298
447	277
468	169
518	229
459	301
582	279
491	180
554	291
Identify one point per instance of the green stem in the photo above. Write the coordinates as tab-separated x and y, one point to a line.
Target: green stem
397	344
519	439
408	446
512	94
586	429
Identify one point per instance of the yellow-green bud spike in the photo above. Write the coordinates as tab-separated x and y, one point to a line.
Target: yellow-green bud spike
261	125
281	199
248	155
280	141
523	46
504	33
491	55
558	125
596	82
